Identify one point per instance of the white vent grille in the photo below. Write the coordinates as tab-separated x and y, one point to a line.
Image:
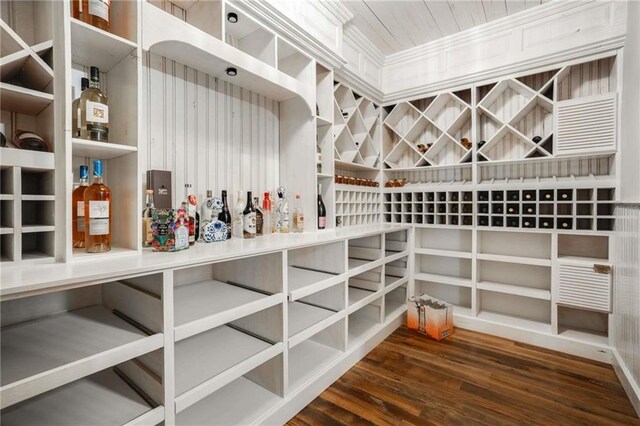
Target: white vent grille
580	286
586	125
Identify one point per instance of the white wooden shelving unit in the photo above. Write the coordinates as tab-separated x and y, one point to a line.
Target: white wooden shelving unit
175	343
508	231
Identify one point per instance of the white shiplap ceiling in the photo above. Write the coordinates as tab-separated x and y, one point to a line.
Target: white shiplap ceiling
396	25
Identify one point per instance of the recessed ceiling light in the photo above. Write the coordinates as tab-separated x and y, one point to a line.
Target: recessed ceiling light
232	72
232	17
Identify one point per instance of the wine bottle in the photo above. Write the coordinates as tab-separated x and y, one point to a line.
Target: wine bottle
322	211
259	217
225	215
249	219
147	231
77	208
97	213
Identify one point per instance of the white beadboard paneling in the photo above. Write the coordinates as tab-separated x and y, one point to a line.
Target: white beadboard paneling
626	290
549	168
208	133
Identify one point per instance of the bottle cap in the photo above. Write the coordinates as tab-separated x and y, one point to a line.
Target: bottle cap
97	168
95	74
209	193
84	172
84	83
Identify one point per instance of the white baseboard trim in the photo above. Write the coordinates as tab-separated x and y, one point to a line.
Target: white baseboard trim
631	387
592	351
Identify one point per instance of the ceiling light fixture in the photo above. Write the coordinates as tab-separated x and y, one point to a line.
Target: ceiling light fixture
232	17
231	72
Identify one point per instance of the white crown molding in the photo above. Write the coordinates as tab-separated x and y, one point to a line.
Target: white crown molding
487	29
367	47
338	10
287	28
592	51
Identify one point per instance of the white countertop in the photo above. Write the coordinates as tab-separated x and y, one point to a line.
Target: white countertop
24	279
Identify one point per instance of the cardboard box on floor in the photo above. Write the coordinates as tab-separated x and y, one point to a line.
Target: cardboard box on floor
430	316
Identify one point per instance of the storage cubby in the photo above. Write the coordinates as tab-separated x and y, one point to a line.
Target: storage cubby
364	251
363	322
207	361
583	325
118	389
517	311
396	242
363	288
294	63
447	241
314	313
209	296
396	272
250	37
583	246
37	245
314	268
37	182
395	302
259	389
522	279
443	269
6	215
37	213
91	328
311	357
497	245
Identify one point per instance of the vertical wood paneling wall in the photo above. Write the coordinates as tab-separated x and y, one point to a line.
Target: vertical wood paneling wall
208	132
626	296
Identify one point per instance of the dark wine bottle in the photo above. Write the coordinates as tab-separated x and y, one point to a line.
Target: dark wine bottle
322	211
224	215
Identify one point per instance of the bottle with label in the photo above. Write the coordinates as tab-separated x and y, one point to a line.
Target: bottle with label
267	218
96	13
94	111
207	207
191	221
189	204
249	219
237	215
75	109
282	217
298	216
322	211
77	209
147	221
97	213
259	217
225	215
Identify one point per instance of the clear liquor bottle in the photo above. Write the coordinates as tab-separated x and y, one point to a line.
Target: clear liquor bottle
94	111
298	216
147	231
97	213
75	109
77	208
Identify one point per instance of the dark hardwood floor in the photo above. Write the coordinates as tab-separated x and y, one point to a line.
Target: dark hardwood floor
470	378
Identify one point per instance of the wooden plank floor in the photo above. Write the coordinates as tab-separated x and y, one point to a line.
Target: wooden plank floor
470	378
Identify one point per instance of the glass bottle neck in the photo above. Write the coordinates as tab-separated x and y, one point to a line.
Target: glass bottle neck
94	84
149	200
97	180
84	182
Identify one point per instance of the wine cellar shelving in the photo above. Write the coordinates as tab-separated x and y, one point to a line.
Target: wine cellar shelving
454	208
27	194
357	205
567	209
355	130
428	132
